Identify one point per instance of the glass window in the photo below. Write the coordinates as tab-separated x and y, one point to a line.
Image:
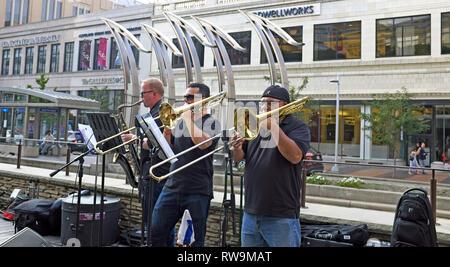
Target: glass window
17	61
178	62
238	57
68	57
74	11
135	50
406	36
25	7
8	12
109	99
100	53
58	10
84	55
42	52
290	53
51	10
445	35
5	61
114	59
29	60
44	10
337	41
17	12
54	59
81	11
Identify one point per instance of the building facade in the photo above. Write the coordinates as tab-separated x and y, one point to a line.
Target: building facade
374	46
78	55
17	12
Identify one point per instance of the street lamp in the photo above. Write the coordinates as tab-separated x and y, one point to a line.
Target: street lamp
336	131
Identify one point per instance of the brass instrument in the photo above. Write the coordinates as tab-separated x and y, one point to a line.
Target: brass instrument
243	125
130	161
246	123
169	116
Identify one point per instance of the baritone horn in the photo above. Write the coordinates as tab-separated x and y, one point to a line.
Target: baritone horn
169	116
246	124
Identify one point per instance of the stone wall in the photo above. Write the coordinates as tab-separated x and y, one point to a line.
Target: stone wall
130	212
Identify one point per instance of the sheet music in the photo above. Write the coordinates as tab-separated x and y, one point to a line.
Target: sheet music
88	135
156	137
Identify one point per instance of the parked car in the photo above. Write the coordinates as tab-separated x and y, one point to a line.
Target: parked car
77	142
312	167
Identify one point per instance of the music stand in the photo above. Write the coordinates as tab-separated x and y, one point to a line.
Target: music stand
161	148
104	126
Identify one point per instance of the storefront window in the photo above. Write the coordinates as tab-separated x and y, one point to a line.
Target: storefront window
54	58
68	57
17	61
290	53
349	130
31	123
6	124
337	41
49	121
29	60
42	51
406	36
84	55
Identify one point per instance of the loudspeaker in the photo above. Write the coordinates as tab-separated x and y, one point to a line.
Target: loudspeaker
26	238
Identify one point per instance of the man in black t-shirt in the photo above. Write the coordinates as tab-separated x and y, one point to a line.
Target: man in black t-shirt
272	176
190	188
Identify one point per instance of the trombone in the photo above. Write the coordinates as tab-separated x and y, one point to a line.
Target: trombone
169	116
242	126
248	125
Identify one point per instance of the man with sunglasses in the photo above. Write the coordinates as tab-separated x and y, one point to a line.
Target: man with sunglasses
191	188
152	92
272	176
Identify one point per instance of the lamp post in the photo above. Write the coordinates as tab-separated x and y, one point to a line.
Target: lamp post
336	131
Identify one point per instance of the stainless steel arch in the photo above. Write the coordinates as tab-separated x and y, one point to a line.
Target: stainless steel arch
264	29
123	38
161	46
183	31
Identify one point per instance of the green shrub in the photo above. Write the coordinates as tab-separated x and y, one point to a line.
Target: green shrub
350	182
317	179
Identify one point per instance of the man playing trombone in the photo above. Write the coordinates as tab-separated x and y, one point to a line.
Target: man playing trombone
152	92
190	188
272	176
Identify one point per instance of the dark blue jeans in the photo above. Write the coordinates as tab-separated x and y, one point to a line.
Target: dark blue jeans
157	188
169	210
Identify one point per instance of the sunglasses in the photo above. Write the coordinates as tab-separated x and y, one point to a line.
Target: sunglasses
146	92
189	97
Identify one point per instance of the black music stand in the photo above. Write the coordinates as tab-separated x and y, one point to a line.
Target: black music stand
228	203
161	149
104	126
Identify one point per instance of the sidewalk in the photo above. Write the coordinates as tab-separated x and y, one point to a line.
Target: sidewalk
377	221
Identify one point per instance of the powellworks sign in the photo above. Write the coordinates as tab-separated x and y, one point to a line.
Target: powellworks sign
305	10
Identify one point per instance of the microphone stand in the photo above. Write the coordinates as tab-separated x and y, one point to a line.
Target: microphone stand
231	202
80	158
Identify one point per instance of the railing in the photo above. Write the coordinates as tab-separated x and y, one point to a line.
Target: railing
433	182
20	142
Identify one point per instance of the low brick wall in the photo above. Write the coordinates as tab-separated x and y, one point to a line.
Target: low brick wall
130	212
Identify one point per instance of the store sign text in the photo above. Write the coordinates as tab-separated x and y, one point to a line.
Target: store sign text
31	41
100	81
307	10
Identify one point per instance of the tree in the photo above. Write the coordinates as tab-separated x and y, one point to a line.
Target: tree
102	96
42	81
392	114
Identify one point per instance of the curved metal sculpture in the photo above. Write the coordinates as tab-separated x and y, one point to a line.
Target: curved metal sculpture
161	46
123	38
264	29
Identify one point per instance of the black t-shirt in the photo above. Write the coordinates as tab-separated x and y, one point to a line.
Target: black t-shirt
146	160
272	183
197	178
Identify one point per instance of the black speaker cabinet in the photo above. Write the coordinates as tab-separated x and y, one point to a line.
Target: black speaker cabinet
26	238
